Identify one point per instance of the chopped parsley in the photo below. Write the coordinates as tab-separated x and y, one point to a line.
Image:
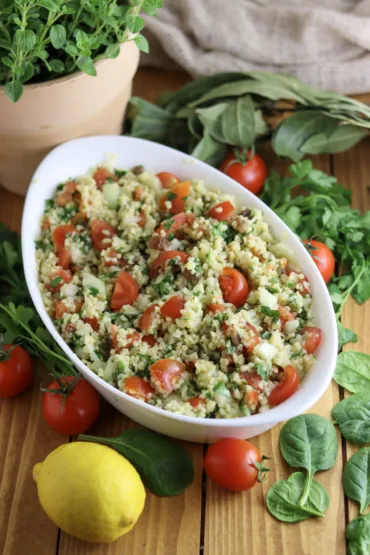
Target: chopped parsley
164	287
230	348
39	244
171	236
262	371
167	224
221	317
56	281
225	231
266	335
274	314
272	290
120	173
93	291
120	366
296	355
49	204
60	186
171	196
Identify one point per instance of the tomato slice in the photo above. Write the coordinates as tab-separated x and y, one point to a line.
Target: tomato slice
101	175
146	320
112	258
61	308
66	195
287	386
165	372
312	339
251	399
150	339
196	402
285	316
137	387
167	179
172	224
216	307
252	379
160	262
252	340
234	287
125	291
94	322
139	191
172	307
64	258
222	211
177	195
59	236
59	278
101	234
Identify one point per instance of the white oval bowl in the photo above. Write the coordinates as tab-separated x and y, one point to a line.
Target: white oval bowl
77	157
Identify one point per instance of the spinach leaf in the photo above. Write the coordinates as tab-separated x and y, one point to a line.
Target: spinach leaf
164	466
345	335
353	417
309	441
353	371
358	536
283	499
356	478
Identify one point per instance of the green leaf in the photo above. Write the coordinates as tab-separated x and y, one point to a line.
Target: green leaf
49	5
149	8
210	151
356	478
361	292
26	40
211	120
58	36
57	66
9	328
237	122
149	121
342	138
358	536
83	41
86	65
164	466
14	90
134	23
353	417
142	43
274	314
353	371
345	335
112	51
283	499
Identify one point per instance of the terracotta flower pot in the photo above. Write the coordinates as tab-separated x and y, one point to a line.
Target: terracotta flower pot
55	111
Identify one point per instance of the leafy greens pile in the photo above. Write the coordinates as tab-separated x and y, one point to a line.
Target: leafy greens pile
210	114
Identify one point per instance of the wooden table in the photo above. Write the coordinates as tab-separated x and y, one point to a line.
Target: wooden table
206	519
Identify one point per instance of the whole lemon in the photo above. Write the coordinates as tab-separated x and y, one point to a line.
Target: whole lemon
90	491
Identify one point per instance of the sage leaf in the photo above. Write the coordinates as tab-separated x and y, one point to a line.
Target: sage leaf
237	123
209	150
149	121
165	467
353	418
356	478
358	536
211	120
283	499
342	138
353	371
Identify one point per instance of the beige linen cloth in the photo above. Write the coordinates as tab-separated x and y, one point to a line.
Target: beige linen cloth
326	44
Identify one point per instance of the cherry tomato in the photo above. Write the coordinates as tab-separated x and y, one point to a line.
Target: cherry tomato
231	464
165	372
250	172
252	378
285	316
222	211
150	339
101	234
61	308
234	287
113	258
142	219
137	387
66	195
252	340
160	261
312	339
16	371
131	339
196	402
64	258
216	307
287	386
59	236
125	291
173	306
93	322
79	218
139	191
71	410
177	195
323	258
167	179
174	223
146	320
57	279
101	175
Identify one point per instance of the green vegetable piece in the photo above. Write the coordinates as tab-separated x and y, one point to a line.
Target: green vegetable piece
274	314
358	536
237	122
56	281
345	335
356	478
353	371
309	441
165	467
353	417
283	499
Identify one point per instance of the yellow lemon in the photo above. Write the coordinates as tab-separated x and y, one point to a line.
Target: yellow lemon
90	491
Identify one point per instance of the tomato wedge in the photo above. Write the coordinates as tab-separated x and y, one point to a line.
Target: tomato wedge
64	258
287	386
174	223
196	402
59	278
101	234
172	307
94	322
177	195
125	291
150	339
252	340
285	316
312	339
59	236
101	175
137	387
146	320
66	195
165	372
222	211
234	287
216	307
61	308
252	379
167	179
160	261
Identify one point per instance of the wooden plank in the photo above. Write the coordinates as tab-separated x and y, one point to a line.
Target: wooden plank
352	169
236	524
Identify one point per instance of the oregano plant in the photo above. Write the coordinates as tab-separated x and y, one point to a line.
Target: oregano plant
45	39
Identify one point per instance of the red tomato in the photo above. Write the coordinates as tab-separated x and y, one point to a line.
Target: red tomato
312	339
59	278
196	402
177	195
323	258
79	218
165	372
112	258
231	463
66	195
249	172
94	323
101	175
234	287
71	410
150	339
142	219
251	399
59	236
137	387
146	320
252	379
173	306
160	261
101	234
216	307
302	282
252	340
61	308
175	223
167	180
287	386
222	211
285	316
125	291
131	338
138	193
16	371
64	258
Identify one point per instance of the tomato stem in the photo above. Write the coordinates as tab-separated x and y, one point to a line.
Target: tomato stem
262	470
5	355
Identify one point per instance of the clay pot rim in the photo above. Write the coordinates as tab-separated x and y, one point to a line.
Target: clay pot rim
65	78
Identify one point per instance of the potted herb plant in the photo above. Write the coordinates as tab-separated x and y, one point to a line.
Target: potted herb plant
66	69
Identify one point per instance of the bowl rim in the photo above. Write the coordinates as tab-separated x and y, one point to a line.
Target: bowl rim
272	416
